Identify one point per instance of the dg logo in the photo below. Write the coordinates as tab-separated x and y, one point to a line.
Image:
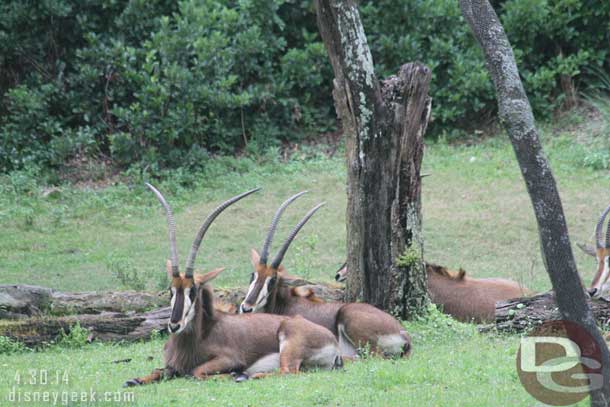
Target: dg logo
559	362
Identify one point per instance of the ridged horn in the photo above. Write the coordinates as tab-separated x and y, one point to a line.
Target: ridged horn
280	255
598	229
190	262
171	224
274	222
608	236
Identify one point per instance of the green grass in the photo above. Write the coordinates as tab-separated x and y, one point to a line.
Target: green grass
452	365
477	215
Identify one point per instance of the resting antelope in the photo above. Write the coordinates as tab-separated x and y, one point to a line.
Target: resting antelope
466	299
205	342
354	324
600	286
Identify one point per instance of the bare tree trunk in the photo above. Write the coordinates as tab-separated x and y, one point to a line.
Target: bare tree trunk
384	124
517	117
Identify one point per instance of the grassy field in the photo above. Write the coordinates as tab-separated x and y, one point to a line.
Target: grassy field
452	365
477	216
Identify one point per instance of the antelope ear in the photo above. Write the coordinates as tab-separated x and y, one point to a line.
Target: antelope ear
281	270
587	249
168	268
207	277
254	257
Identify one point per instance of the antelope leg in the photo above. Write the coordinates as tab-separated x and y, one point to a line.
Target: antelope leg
155	376
216	366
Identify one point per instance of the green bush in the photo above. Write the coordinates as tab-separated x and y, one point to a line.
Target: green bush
77	337
164	84
8	346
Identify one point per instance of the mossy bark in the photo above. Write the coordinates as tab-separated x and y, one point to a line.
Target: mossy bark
384	124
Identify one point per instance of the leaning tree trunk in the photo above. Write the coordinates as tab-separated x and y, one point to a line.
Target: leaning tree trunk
384	124
517	117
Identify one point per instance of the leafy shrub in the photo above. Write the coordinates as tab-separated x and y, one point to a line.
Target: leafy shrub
77	337
8	346
162	84
434	33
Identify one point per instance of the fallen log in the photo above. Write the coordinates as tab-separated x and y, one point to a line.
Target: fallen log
521	314
34	320
22	301
107	326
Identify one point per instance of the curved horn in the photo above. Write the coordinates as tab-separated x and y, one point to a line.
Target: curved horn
190	262
280	255
608	236
171	224
598	229
276	218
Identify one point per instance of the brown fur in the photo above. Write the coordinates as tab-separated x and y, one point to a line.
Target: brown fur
219	343
443	271
306	293
305	339
469	299
602	253
355	318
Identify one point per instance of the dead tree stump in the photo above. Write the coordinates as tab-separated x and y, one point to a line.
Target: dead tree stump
384	124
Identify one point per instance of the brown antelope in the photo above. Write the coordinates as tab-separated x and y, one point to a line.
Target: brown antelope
600	286
466	299
205	342
354	324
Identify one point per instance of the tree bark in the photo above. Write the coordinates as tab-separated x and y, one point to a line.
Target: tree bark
384	124
22	301
517	117
107	326
521	314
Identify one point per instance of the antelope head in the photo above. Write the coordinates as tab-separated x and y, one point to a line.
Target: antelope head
341	274
600	285
185	287
264	277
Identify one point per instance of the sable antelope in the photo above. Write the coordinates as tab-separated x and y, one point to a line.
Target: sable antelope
354	324
466	299
600	285
206	342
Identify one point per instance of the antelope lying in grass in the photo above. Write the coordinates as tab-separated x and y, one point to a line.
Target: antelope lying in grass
207	342
466	299
600	286
355	324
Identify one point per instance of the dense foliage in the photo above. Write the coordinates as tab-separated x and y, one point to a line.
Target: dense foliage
160	83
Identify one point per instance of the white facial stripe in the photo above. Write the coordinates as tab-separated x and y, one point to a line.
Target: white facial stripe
261	301
252	284
173	300
188	312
